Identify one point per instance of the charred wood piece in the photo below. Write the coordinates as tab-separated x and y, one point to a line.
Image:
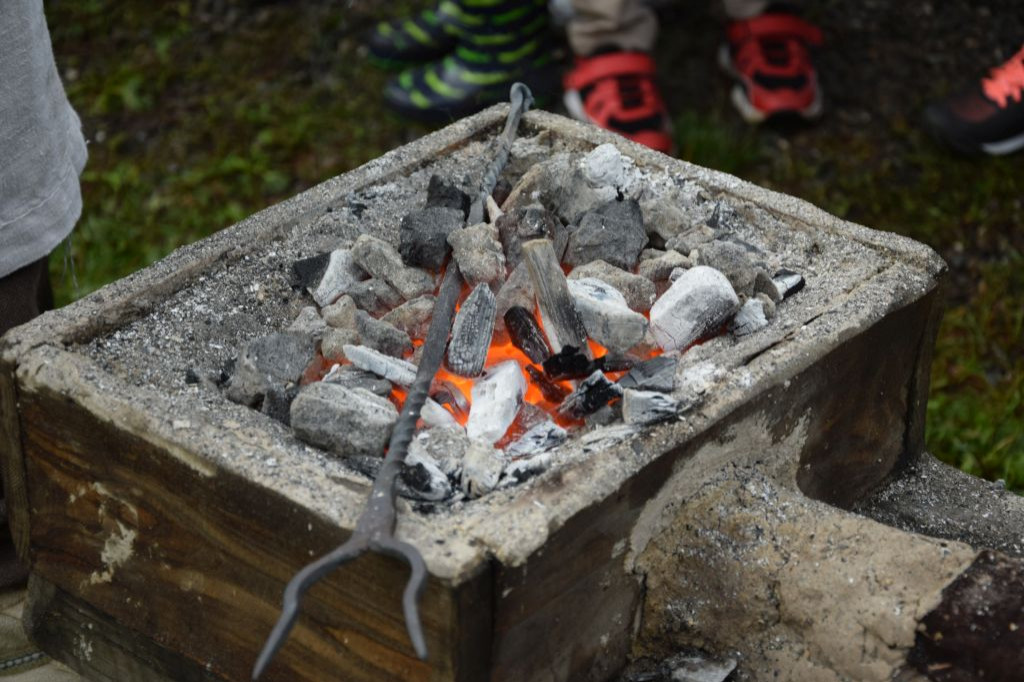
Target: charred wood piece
540	438
591	395
568	363
561	321
496	399
656	374
472	332
551	391
648	407
394	370
526	334
788	282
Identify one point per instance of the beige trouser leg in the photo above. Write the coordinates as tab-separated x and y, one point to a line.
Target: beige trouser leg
631	24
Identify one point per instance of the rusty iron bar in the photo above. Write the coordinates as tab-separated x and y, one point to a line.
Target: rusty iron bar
375	529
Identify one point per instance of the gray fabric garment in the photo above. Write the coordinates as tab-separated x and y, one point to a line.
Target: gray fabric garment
42	150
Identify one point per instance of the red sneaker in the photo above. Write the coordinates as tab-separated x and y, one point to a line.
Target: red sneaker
616	91
769	57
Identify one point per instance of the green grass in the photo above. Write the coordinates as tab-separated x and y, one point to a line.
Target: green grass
197	119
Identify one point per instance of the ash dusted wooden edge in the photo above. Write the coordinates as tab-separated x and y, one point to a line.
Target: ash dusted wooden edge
12	462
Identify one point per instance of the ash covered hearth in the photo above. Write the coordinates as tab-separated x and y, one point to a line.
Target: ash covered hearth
679	431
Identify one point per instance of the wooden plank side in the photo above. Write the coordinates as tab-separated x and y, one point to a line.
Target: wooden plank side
198	562
12	465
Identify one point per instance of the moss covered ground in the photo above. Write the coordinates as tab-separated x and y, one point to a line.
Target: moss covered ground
200	113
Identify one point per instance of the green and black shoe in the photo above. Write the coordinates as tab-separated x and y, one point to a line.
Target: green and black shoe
498	43
427	36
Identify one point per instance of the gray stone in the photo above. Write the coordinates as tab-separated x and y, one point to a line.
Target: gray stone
481	468
655	374
446	447
381	336
381	260
749	319
413	317
733	261
308	322
660	268
638	291
424	234
346	421
332	346
647	407
496	398
516	291
695	306
341	314
613	233
341	273
472	332
394	370
274	360
531	222
351	376
605	315
375	296
478	252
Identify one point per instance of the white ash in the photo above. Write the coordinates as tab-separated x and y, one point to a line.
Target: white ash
647	407
496	398
482	465
695	306
605	314
521	470
332	345
375	296
423	475
435	416
788	282
353	377
750	318
537	439
446	447
381	336
341	273
394	370
606	166
412	317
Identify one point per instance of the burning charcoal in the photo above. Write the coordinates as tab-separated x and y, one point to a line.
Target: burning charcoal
436	417
647	407
529	415
562	323
412	317
749	319
424	478
656	374
346	421
524	469
481	468
278	401
525	334
341	314
446	447
606	317
307	272
394	370
517	290
613	233
448	396
496	398
568	363
332	346
541	437
660	268
274	360
524	224
441	193
591	395
733	261
616	362
351	376
696	305
375	296
638	291
552	392
308	322
338	277
478	252
788	282
381	260
471	333
423	236
381	336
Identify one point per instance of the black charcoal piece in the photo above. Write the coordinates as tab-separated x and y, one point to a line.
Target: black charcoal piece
375	296
471	333
551	391
306	273
502	189
561	320
590	396
537	439
569	363
382	336
423	236
732	260
613	233
191	377
274	360
278	401
381	260
526	334
423	479
788	282
443	194
655	374
615	362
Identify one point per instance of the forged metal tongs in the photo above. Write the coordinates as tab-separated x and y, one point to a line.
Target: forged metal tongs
375	530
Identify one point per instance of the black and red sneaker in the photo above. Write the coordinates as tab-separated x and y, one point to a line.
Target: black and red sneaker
617	91
987	117
769	56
